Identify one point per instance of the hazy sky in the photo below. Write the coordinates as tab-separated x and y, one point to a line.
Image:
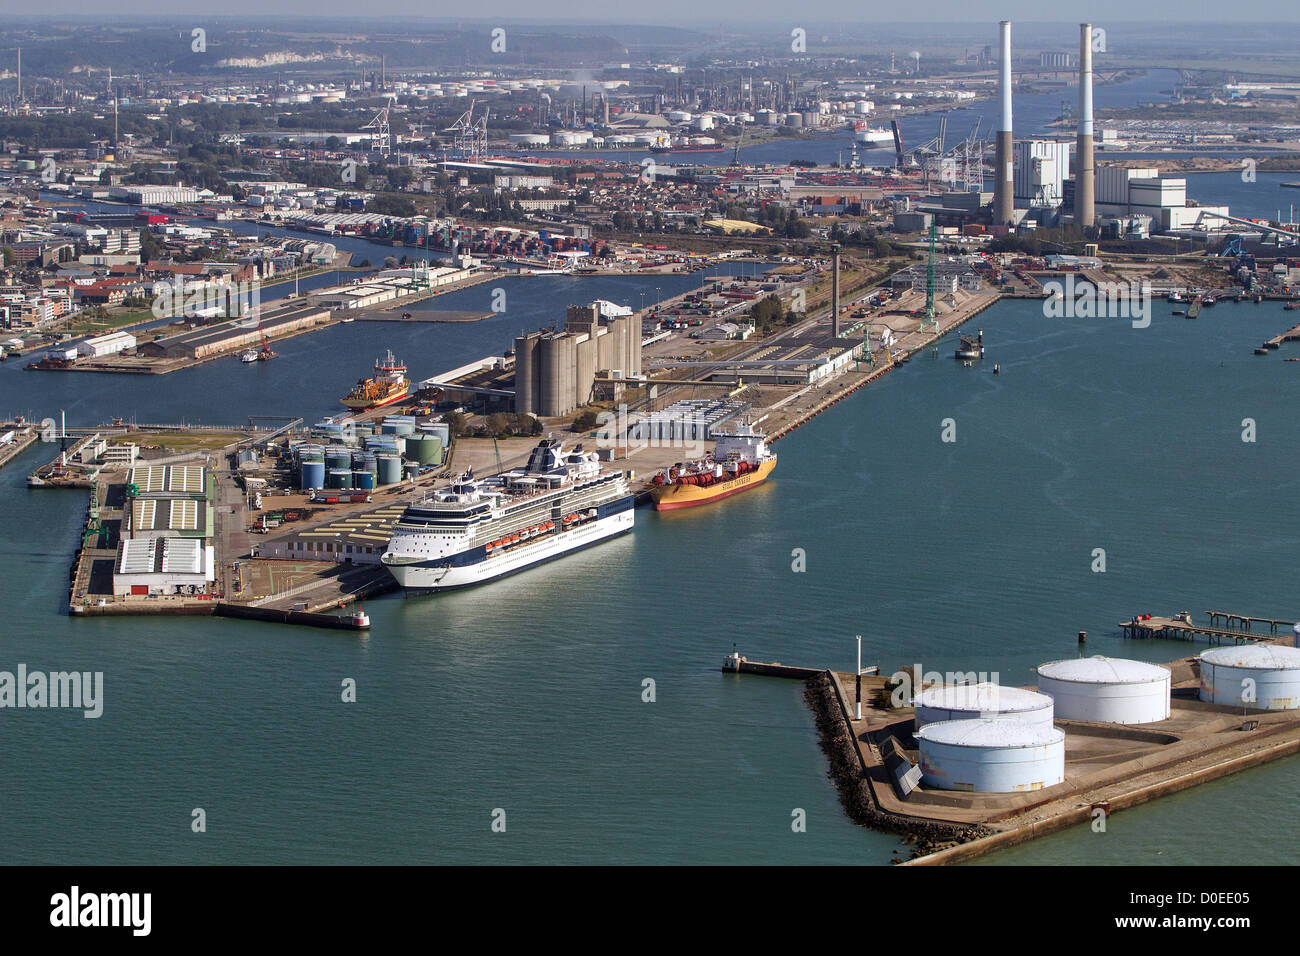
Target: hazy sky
715	13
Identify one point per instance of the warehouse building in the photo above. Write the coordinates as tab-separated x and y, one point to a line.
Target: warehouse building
162	566
234	334
109	344
170	518
555	372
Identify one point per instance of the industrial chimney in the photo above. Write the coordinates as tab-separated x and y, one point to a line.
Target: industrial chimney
1003	169
1083	162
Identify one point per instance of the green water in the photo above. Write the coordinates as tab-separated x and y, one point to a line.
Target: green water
527	695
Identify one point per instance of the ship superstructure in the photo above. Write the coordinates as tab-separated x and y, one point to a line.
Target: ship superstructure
388	385
740	460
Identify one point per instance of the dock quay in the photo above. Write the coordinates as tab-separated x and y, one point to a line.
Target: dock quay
1290	335
1108	767
425	316
1181	627
23	438
907	343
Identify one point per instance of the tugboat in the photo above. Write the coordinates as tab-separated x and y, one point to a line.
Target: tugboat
971	347
1175	296
1208	300
1291	306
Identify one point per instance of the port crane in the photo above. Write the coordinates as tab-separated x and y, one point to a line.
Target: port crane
469	135
382	140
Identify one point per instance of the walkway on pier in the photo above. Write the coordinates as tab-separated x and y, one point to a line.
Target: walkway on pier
1180	628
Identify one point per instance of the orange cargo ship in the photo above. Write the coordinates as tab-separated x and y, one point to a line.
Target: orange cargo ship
389	385
740	461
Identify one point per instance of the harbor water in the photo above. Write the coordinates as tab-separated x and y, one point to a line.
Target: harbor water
528	695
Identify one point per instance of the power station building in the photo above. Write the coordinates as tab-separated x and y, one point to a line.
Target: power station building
556	372
1041	167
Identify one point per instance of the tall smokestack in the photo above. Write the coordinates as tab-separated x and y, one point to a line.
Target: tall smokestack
1004	172
20	74
1083	163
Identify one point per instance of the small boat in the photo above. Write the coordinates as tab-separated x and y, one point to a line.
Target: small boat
1292	359
248	357
1175	297
1208	300
1291	306
1180	311
348	320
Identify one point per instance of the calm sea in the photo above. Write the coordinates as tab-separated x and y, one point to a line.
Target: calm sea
526	695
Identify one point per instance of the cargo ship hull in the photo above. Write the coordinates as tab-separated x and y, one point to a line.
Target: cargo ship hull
671	497
363	404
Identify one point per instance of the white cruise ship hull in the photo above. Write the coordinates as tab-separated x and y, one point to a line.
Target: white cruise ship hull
439	575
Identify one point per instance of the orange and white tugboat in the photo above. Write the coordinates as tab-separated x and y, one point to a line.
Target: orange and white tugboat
389	385
740	460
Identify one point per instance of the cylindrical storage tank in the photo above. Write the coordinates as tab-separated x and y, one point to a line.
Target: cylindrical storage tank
428	450
991	756
1254	676
397	428
981	701
338	478
1107	690
338	458
410	470
313	475
363	480
390	469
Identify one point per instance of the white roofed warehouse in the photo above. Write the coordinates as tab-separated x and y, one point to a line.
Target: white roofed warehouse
150	567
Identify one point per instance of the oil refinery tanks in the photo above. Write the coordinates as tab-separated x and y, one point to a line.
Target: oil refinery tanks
987	701
312	475
1108	690
1254	676
991	756
390	469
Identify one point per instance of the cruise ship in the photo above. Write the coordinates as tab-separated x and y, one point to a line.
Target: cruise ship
476	531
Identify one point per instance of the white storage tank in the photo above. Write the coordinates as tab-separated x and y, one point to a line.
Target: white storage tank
975	701
991	756
1254	676
1108	690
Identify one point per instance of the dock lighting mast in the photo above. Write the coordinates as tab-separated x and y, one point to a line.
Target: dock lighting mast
859	708
929	286
835	290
